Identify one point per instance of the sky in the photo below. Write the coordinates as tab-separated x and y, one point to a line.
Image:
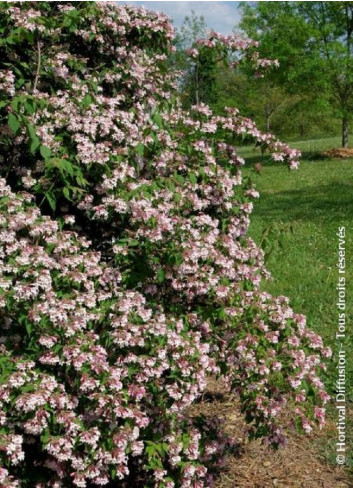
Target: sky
220	16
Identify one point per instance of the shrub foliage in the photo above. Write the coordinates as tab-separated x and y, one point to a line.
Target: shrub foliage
127	277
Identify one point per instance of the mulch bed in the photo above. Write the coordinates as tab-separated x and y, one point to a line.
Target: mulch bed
299	464
338	153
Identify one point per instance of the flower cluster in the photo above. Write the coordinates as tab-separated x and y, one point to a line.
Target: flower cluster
7	82
108	369
127	278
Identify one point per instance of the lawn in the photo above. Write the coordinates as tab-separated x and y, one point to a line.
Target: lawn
300	212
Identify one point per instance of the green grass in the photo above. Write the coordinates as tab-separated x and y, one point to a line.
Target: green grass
313	146
314	201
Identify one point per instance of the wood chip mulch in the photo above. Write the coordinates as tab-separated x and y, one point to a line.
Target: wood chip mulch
300	464
338	153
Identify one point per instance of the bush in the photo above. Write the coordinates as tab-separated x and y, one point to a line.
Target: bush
127	277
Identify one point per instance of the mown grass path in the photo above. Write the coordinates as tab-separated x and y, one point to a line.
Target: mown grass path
301	212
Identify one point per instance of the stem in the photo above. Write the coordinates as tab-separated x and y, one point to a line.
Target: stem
197	83
44	197
38	67
344	131
9	170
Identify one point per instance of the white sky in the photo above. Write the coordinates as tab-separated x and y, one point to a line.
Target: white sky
221	16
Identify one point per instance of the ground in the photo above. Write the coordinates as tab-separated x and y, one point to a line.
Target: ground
296	220
302	463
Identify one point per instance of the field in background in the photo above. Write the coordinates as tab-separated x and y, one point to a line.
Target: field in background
312	147
296	220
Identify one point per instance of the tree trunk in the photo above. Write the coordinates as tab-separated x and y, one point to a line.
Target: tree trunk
268	117
197	85
344	132
302	127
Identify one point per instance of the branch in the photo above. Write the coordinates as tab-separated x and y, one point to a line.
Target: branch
38	67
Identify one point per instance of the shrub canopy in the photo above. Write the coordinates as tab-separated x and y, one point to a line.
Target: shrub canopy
127	276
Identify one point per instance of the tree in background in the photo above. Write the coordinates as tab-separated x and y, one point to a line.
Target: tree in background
313	43
194	27
258	97
199	79
332	24
286	100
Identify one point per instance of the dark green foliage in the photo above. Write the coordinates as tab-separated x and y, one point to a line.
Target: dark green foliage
312	42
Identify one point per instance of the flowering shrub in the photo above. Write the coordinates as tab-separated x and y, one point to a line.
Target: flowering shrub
127	277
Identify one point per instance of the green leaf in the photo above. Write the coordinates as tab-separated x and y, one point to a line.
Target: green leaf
35	143
51	199
45	152
81	181
87	100
160	275
158	119
193	178
19	83
29	107
179	178
171	186
64	166
14	123
15	103
29	328
31	131
140	149
178	259
66	193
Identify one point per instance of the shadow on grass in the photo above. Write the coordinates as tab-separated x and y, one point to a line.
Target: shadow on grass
309	203
250	161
